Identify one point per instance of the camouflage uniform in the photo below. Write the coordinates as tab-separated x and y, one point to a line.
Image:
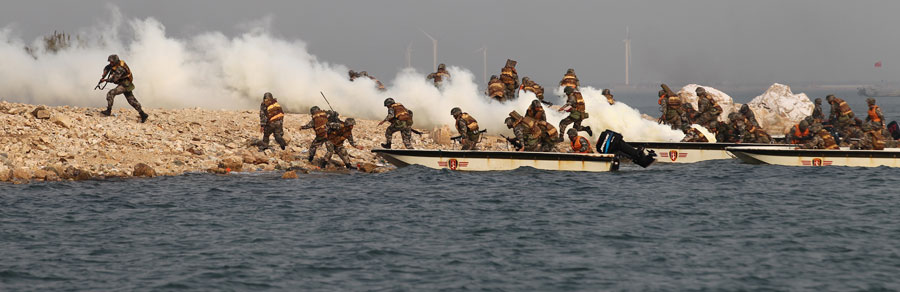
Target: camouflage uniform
536	111
749	115
496	90
510	79
851	135
841	114
338	132
378	84
694	135
271	119
529	85
549	137
577	113
609	97
439	76
821	140
467	127
526	135
709	110
817	113
319	123
120	74
401	121
579	144
570	80
874	113
673	111
690	115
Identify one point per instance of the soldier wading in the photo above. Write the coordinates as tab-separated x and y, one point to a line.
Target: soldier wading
118	72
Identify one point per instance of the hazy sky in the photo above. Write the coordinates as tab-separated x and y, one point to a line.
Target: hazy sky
708	42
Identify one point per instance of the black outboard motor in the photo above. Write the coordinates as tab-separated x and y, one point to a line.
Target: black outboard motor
611	143
894	129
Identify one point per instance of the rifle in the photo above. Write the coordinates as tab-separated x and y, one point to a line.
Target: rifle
545	102
514	141
457	138
326	101
105	74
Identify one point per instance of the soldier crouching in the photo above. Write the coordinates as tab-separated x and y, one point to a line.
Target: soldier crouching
337	134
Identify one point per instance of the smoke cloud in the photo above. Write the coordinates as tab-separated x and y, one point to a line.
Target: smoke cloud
212	70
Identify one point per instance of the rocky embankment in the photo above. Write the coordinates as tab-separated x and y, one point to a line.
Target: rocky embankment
41	143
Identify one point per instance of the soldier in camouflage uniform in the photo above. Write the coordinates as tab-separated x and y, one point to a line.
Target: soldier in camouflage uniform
119	73
673	111
708	108
817	113
510	79
319	124
874	113
577	112
496	90
851	134
527	135
338	132
536	111
570	79
689	116
378	84
529	85
549	136
271	119
749	115
841	114
694	135
579	144
439	76
821	140
467	127
353	75
401	121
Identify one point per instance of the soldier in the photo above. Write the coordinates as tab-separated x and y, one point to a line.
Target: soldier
841	114
338	132
609	96
496	89
817	113
120	74
708	108
467	127
549	136
872	139
529	85
694	135
378	84
271	119
577	112
439	76
527	134
749	115
689	116
536	111
821	140
401	121
726	132
570	79
579	144
333	116
673	111
799	134
510	79
353	75
319	124
875	114
851	134
756	135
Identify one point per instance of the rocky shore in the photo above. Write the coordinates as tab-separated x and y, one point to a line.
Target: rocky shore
42	143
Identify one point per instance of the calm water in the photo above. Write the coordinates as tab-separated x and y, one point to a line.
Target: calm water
718	225
713	225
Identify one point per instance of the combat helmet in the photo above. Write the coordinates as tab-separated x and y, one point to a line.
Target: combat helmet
803	125
442	66
455	111
536	103
268	95
570	71
350	121
830	98
606	92
314	109
572	132
509	122
870	100
113	58
818	101
388	101
700	90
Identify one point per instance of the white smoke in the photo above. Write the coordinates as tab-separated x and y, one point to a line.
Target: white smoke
212	70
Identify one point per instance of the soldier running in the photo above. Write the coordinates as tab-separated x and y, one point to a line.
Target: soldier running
401	121
496	90
529	85
510	79
319	124
609	96
271	121
467	127
570	79
119	73
577	112
338	132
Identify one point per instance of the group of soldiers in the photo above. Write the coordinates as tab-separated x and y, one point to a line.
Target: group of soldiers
504	87
842	128
742	126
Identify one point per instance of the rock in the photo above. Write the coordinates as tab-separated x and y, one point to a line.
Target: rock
778	109
41	113
195	150
441	136
232	163
5	173
61	120
688	93
289	175
143	170
366	167
250	157
74	173
22	174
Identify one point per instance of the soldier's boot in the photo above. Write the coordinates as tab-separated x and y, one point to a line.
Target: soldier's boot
107	112
143	116
386	145
349	166
323	164
283	147
589	131
310	158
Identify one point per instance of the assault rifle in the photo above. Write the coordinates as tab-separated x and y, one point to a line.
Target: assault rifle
103	80
514	141
545	102
458	138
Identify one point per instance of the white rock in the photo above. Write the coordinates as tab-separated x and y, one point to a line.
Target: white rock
779	109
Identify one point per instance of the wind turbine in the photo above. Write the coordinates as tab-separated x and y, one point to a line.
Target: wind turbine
627	56
434	44
484	73
409	55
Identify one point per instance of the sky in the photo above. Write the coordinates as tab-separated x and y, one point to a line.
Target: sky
708	42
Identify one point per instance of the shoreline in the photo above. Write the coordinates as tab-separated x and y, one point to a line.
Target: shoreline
44	143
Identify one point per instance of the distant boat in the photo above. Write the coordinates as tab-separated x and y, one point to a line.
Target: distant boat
873	91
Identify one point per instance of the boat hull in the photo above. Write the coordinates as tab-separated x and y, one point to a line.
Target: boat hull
689	152
499	160
789	156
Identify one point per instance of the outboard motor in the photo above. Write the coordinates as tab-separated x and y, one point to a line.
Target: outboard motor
611	143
